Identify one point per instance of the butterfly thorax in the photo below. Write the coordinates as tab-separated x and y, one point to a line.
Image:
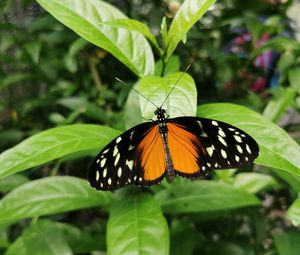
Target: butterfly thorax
161	120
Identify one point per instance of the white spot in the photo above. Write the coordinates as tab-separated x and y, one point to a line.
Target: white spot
118	139
131	135
223	153
134	178
222	140
216	165
140	179
231	129
129	163
109	181
115	152
200	124
102	163
246	158
203	134
117	159
130	147
243	135
104	173
210	150
129	180
208	164
237	132
237	158
105	151
98	160
203	168
239	148
97	175
215	123
119	173
238	138
101	185
221	133
248	148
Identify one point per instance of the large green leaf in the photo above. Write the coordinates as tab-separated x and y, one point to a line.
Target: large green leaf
182	101
81	240
189	13
255	182
42	237
288	243
86	18
203	196
11	182
137	226
277	148
293	212
54	143
135	25
276	108
49	196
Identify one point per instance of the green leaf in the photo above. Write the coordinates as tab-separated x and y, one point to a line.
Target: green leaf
49	196
52	144
80	240
13	79
294	78
291	179
203	196
188	14
42	237
34	50
184	238
182	101
132	110
85	18
164	31
70	58
135	25
276	108
11	182
293	212
255	182
172	66
137	226
288	243
277	148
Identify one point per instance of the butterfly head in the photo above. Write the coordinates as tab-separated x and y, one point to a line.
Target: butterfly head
160	114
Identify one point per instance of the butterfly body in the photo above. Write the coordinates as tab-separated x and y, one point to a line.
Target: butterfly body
163	129
167	147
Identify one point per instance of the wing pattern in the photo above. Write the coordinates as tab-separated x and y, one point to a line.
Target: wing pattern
218	145
117	164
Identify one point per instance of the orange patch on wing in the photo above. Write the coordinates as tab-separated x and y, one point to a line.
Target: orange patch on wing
152	155
182	149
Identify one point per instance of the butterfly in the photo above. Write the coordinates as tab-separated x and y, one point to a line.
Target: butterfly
168	147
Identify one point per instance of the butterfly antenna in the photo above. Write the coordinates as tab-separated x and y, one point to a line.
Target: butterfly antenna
175	84
137	92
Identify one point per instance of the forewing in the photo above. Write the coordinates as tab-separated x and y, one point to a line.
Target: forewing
116	165
151	162
219	145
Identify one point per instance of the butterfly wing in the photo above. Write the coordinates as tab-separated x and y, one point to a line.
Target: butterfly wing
136	156
198	145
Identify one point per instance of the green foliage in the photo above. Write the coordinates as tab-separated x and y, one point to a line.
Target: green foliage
53	81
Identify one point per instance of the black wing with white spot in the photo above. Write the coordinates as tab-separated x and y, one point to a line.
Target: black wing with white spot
223	146
115	165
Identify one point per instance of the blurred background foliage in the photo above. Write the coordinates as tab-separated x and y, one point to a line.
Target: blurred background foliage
241	52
